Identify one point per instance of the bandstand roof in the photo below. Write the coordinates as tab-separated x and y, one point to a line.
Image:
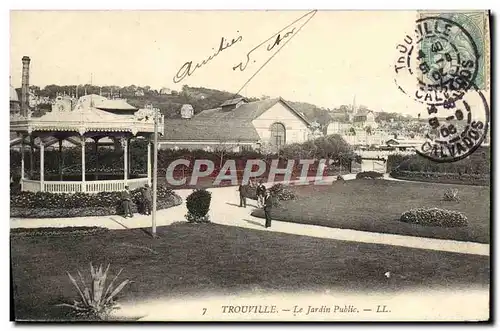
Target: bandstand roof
90	117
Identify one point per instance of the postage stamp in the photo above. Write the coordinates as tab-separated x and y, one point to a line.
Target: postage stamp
477	25
242	166
441	60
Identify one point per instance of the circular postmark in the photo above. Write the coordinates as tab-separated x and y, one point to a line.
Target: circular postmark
438	63
456	128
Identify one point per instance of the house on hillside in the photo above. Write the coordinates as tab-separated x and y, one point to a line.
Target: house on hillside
165	91
364	118
139	93
237	125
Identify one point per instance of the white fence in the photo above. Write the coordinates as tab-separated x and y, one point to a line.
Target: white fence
75	186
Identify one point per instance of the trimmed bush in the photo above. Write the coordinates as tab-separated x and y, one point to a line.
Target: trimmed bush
369	174
57	205
434	217
198	205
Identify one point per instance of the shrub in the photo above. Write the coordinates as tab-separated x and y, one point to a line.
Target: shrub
451	194
70	230
198	205
55	205
451	178
434	217
97	300
280	192
369	174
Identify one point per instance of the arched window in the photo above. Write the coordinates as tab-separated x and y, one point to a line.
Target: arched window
278	134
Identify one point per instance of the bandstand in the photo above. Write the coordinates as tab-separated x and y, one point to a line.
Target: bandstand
91	117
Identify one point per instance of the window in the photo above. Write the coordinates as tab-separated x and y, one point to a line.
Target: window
278	135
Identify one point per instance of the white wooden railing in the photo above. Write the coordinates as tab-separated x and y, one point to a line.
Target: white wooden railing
88	186
62	187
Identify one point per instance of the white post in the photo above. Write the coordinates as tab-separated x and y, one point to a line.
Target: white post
42	157
149	162
22	162
83	164
155	171
125	160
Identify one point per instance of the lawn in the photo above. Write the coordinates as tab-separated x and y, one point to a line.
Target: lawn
211	258
376	205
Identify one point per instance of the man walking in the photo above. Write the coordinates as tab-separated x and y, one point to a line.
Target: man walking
243	196
126	200
268	203
147	199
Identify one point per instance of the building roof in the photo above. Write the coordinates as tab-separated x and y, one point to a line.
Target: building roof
405	142
218	125
209	130
115	104
247	111
86	118
233	101
97	101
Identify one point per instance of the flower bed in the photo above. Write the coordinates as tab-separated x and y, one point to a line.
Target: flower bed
57	205
369	174
434	217
445	178
280	192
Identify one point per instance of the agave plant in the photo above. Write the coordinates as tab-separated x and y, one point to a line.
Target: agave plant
96	300
451	195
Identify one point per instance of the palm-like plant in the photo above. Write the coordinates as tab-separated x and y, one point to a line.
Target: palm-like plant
97	300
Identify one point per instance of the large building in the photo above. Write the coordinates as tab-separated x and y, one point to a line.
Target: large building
236	125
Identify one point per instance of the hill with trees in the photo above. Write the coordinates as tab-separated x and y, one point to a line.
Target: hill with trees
200	98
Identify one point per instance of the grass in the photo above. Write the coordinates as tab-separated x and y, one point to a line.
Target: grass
210	258
376	205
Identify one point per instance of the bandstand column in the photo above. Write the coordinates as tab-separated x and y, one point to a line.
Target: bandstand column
83	163
149	162
42	163
129	154
32	161
22	162
61	161
125	160
96	154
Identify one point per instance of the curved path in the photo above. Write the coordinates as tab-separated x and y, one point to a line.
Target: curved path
226	211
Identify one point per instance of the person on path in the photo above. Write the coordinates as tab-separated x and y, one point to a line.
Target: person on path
243	195
261	193
268	203
126	198
147	199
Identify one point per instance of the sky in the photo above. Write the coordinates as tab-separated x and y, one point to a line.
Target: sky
336	56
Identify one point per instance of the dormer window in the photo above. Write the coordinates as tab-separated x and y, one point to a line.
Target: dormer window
233	104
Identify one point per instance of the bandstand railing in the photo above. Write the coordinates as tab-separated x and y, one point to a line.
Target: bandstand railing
87	186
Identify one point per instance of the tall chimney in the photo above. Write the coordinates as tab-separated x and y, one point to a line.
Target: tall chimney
25	86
